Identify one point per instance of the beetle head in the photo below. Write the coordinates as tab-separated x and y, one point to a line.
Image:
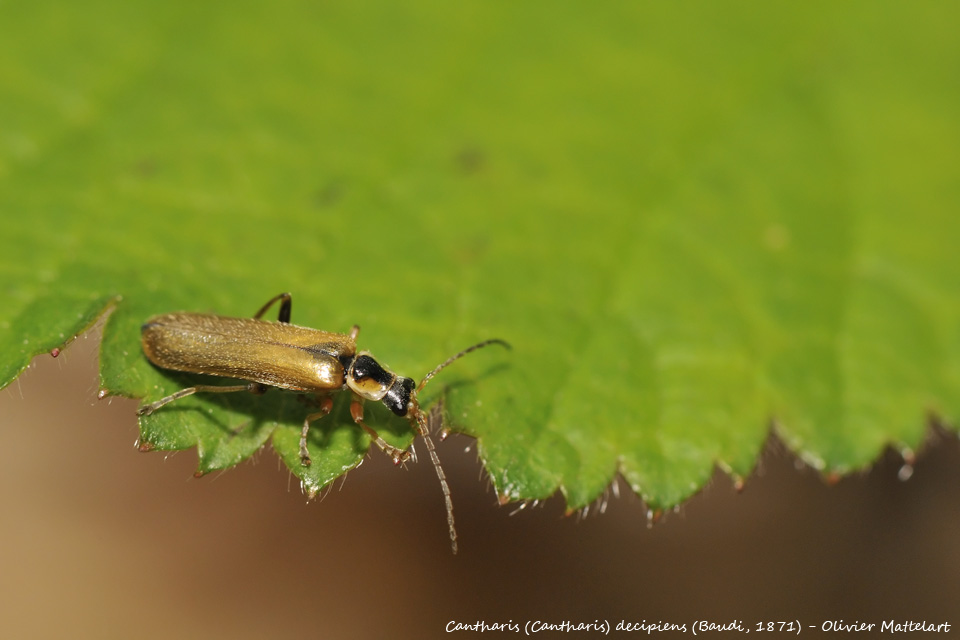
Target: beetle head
398	396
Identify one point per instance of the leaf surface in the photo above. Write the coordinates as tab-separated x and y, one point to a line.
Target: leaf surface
690	225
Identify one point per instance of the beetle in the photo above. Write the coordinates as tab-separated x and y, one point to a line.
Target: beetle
283	355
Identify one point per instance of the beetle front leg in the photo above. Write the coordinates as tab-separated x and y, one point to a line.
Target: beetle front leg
326	404
399	456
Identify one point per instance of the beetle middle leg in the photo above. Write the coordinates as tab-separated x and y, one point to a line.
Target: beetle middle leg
399	456
253	387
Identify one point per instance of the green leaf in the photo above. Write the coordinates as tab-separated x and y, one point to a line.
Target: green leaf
691	225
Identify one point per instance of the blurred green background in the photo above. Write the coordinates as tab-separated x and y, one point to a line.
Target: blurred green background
690	219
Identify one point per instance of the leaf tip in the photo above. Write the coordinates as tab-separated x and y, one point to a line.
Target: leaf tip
311	489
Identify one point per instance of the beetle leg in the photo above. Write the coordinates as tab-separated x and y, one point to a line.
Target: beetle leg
326	404
147	409
399	456
284	315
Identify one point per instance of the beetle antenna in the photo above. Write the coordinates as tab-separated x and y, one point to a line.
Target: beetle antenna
456	357
428	441
435	459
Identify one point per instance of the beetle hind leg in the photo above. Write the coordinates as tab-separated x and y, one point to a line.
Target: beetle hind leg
326	405
147	409
285	304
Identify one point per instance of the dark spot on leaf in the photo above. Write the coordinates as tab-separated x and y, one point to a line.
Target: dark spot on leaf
328	195
145	168
470	160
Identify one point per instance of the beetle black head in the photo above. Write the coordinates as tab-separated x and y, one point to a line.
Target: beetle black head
397	398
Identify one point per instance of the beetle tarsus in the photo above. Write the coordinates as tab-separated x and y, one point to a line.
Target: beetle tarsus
304	454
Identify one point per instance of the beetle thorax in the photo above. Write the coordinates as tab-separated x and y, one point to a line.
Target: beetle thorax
372	381
368	378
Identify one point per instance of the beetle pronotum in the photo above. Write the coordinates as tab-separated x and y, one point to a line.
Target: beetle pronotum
283	355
